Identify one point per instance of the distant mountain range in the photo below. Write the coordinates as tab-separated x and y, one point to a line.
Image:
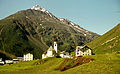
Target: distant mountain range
107	43
33	30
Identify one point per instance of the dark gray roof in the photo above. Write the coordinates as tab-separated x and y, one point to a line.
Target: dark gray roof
83	48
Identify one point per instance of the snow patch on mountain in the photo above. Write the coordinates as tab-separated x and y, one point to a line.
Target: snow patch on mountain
37	7
75	26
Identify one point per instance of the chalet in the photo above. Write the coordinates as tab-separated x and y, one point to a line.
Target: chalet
83	51
28	57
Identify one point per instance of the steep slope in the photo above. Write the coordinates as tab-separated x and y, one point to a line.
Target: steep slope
33	30
5	55
107	43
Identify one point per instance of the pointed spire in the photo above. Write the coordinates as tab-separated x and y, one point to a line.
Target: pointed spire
55	39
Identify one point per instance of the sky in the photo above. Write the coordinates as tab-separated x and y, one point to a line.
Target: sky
98	16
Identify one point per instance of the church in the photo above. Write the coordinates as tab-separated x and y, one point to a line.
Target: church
51	52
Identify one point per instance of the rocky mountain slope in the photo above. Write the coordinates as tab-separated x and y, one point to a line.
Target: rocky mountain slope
33	30
107	43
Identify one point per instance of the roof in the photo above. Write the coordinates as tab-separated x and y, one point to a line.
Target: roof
50	49
28	53
63	52
83	48
55	39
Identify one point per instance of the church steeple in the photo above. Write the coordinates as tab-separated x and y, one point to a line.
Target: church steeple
55	44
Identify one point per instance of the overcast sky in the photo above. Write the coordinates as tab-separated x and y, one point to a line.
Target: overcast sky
98	16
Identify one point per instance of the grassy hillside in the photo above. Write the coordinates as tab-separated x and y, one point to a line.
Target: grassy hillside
103	64
107	43
34	31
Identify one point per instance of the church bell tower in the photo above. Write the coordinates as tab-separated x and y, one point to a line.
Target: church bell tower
55	44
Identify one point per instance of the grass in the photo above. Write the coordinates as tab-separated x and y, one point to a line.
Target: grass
107	43
18	66
102	64
70	63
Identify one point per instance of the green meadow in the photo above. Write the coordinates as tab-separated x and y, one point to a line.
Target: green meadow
102	64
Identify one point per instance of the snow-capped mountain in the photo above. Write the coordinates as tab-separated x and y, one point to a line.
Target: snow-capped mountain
75	26
37	7
34	29
63	20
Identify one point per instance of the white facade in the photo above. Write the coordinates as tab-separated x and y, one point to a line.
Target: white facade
65	55
1	62
20	58
55	46
15	61
83	51
9	61
44	56
28	57
62	55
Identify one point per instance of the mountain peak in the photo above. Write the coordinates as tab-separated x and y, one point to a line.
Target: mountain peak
37	7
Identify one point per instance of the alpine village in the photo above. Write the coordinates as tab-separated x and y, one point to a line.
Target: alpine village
34	41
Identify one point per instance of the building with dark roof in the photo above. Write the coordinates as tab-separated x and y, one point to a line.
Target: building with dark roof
83	51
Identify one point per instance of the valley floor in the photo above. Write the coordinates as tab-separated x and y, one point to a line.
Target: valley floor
102	64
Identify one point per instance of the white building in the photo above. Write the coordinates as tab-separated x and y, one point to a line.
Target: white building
20	58
55	45
51	52
15	61
83	51
65	55
1	62
28	57
9	61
